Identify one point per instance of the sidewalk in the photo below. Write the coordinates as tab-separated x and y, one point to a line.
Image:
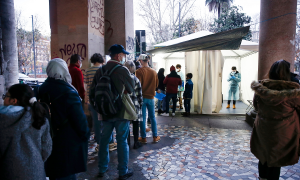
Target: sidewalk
199	147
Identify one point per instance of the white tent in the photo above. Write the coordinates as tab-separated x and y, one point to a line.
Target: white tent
210	70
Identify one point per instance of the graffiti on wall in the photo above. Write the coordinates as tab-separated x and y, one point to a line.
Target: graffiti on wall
70	49
109	29
130	48
96	8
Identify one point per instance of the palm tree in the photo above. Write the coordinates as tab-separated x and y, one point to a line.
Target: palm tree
8	40
217	5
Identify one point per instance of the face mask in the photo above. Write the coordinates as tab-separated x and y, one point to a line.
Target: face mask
123	60
80	65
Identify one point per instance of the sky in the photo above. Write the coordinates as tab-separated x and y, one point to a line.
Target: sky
40	8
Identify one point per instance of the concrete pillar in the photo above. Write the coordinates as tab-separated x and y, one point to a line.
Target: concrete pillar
77	27
277	36
119	27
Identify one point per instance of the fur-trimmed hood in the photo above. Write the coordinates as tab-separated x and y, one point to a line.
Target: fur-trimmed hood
276	91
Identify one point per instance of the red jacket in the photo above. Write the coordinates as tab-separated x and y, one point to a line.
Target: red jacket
77	79
172	81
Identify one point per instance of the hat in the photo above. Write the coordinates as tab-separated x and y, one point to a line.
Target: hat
117	48
143	57
172	68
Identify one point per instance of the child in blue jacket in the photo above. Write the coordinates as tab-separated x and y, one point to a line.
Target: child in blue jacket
188	94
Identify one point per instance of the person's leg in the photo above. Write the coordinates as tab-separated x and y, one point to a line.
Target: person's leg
112	140
273	173
174	99
228	101
185	105
122	129
164	102
180	99
96	122
159	102
262	170
135	131
188	104
143	123
151	114
105	137
234	101
167	102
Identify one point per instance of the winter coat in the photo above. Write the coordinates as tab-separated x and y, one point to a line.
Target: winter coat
23	149
120	78
276	133
70	145
172	81
161	84
234	90
77	79
188	93
137	97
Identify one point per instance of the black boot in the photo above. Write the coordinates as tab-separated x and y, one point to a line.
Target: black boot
137	145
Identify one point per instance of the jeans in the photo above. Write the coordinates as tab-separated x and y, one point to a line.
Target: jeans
187	105
122	130
148	104
174	99
70	177
97	124
163	102
270	173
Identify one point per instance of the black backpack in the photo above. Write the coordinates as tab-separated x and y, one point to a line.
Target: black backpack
107	100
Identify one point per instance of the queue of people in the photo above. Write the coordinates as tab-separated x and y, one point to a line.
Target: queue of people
44	133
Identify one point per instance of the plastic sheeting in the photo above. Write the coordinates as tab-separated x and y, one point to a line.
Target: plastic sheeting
206	67
228	40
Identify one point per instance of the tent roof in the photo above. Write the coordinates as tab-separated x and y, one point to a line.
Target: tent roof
204	40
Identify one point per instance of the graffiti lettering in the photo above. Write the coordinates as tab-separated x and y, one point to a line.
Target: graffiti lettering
109	29
69	49
97	15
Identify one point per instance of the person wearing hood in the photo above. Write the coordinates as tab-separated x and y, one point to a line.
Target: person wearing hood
172	81
25	141
68	121
233	79
276	133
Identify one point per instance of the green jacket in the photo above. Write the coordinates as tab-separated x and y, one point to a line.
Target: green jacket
120	77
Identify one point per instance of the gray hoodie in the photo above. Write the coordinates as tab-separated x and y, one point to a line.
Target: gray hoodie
23	149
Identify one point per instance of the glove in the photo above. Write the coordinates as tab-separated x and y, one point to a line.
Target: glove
232	77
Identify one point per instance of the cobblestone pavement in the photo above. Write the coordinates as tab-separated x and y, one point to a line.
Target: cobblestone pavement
200	153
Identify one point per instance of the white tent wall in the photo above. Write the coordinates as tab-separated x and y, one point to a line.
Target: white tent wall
159	59
249	67
206	67
229	62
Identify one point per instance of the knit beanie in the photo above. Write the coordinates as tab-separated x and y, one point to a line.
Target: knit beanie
172	68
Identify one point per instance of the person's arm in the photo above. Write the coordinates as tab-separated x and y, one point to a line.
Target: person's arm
255	102
237	79
179	82
81	86
166	80
76	116
139	76
127	80
186	90
93	88
229	78
138	92
46	142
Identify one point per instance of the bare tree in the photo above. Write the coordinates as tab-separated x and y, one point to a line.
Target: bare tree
25	40
162	17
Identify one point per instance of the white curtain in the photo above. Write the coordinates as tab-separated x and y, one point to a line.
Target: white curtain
206	67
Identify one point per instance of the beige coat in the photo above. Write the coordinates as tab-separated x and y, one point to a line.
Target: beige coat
276	134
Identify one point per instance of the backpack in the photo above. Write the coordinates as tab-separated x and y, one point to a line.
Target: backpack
107	100
55	121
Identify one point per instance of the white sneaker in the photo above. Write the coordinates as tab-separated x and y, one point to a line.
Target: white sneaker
165	114
173	114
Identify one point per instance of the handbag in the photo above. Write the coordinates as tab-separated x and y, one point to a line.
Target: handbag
130	112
